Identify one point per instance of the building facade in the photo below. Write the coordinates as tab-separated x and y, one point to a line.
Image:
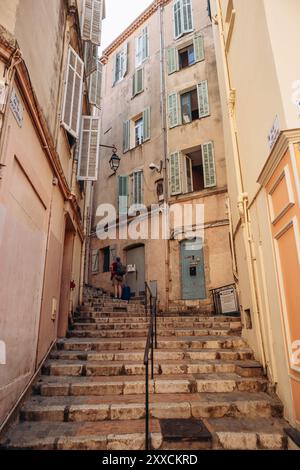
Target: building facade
48	89
259	79
161	110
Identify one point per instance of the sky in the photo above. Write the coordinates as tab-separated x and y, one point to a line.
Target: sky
119	15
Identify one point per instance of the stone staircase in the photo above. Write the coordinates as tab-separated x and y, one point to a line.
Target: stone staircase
91	393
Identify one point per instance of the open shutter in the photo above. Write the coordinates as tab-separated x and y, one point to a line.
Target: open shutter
138	187
199	48
126	136
90	58
89	149
173	110
91	21
187	16
187	174
209	168
123	194
172	60
95	86
72	101
174	172
95	261
203	100
138	82
147	124
145	44
177	18
124	60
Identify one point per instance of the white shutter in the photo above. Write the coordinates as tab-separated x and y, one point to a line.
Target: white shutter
173	110
203	100
91	21
95	261
177	18
209	168
123	194
72	101
172	60
146	124
126	136
175	174
145	44
187	16
90	58
89	149
199	48
95	86
124	61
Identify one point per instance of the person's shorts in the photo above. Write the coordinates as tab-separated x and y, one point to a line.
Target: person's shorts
117	281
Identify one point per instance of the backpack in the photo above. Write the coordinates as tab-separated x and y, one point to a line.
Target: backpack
121	270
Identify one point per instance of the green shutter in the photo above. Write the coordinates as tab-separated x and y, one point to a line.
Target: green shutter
199	48
177	18
209	168
172	60
203	100
138	187
123	194
145	44
175	175
138	82
147	124
187	16
126	136
173	110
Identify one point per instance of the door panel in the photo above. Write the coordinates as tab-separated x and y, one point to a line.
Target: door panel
192	270
136	280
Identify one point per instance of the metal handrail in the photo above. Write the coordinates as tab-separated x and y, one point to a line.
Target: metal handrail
151	343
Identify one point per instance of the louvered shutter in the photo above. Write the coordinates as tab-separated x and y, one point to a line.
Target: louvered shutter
203	100
126	136
90	58
199	48
95	86
209	168
138	187
177	18
138	82
175	174
172	60
187	15
123	194
95	261
145	44
72	101
124	67
91	21
147	124
89	149
173	110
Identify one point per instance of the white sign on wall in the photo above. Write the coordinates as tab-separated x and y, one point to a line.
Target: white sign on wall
228	301
17	108
2	92
274	133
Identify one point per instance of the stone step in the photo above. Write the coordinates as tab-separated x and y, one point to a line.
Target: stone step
138	333
206	322
103	324
240	354
184	406
185	366
227	433
129	385
187	342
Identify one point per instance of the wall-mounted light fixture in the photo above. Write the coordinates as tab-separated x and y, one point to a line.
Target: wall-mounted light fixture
153	167
114	161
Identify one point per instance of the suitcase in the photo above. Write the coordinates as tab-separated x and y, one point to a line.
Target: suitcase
126	293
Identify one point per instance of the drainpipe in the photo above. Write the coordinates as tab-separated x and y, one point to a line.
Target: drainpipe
165	141
243	197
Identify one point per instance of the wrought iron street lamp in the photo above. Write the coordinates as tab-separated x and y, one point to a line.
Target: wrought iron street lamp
114	161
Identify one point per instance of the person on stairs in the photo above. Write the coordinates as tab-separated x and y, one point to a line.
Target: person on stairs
117	273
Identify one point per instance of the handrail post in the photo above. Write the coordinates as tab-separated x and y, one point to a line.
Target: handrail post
152	350
146	300
147	406
155	322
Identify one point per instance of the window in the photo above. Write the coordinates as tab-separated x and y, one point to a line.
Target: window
138	82
183	17
139	131
120	65
186	56
193	171
123	194
136	131
193	104
189	106
95	261
142	47
106	259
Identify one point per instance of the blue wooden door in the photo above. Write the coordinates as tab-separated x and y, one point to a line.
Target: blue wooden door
192	270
